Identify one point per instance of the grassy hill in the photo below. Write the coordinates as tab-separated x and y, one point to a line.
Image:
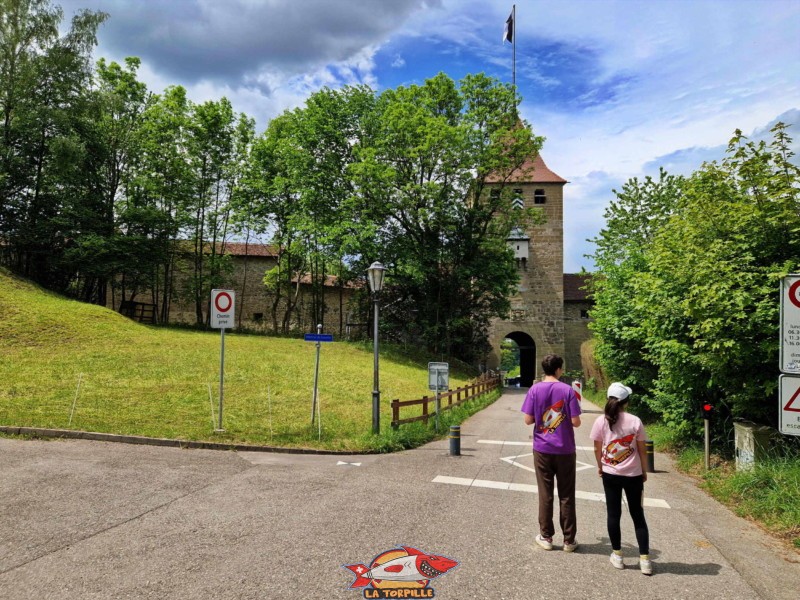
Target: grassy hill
142	380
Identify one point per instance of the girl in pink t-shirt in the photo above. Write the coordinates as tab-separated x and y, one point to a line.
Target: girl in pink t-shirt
619	449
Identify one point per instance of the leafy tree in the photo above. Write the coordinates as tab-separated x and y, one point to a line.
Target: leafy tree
509	355
640	210
100	222
699	300
45	103
424	182
273	180
156	201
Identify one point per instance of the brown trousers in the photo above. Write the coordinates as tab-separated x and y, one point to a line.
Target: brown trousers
560	467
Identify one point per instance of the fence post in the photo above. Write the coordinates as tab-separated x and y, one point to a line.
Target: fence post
425	409
395	413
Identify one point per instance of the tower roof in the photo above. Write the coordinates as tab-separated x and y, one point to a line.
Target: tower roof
533	170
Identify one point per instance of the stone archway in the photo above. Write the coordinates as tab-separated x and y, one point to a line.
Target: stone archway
527	357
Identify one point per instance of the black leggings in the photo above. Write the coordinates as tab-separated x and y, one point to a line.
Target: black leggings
634	491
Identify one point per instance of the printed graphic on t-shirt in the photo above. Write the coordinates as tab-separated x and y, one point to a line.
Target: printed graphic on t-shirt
553	417
618	450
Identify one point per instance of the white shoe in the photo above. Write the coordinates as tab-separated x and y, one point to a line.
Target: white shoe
616	561
544	542
570	547
645	566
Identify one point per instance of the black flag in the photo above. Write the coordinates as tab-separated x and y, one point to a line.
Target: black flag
508	31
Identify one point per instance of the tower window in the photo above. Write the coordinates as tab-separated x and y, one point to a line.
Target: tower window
539	197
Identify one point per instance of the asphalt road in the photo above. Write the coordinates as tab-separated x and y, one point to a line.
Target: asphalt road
84	520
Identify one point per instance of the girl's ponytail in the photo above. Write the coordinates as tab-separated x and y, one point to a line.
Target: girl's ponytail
613	407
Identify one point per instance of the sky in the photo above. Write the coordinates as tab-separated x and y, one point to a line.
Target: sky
619	88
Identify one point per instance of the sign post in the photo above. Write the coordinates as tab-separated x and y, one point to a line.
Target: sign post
438	381
318	337
789	382
222	315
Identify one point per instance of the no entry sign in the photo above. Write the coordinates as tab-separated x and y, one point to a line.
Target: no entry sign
222	309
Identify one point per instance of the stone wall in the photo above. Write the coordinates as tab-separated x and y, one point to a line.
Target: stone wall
254	301
576	331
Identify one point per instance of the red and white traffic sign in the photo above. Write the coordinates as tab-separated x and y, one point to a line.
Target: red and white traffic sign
789	409
790	324
222	309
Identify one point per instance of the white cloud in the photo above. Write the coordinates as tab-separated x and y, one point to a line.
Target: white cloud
617	86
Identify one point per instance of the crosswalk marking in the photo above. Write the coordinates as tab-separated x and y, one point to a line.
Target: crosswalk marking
340	463
532	489
528	443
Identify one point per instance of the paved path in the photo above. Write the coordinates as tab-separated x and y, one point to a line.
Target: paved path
98	520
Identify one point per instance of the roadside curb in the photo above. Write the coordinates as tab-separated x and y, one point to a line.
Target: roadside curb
164	442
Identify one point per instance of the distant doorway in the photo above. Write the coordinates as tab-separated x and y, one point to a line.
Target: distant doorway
527	356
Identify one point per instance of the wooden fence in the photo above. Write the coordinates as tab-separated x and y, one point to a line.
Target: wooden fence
447	400
138	311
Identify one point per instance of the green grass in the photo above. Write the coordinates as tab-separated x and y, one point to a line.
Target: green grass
768	494
154	381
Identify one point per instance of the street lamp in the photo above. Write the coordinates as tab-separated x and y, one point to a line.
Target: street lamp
375	277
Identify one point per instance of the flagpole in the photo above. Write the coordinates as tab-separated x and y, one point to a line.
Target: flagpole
514	47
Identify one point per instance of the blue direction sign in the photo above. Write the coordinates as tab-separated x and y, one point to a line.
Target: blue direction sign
318	337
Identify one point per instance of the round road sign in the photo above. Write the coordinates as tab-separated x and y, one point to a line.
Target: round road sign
223	302
793	290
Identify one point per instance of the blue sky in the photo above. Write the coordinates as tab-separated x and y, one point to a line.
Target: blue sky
618	87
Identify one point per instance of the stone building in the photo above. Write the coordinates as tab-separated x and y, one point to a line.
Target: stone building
549	312
254	301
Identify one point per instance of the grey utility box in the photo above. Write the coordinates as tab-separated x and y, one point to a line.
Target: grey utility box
752	443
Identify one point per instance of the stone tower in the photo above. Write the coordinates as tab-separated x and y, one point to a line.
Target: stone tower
536	320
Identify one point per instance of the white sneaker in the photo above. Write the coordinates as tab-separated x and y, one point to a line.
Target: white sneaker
546	543
645	566
570	547
616	561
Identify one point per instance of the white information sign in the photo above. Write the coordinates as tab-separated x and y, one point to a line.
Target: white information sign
438	376
223	309
790	324
789	409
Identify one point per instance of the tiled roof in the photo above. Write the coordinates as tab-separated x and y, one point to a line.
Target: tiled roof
330	281
573	282
533	170
239	249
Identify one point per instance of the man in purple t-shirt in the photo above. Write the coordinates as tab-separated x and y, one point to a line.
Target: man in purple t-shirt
554	411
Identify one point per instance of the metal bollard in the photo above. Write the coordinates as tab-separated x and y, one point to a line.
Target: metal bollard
455	440
651	456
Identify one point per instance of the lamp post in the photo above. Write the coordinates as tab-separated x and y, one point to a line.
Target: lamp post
375	277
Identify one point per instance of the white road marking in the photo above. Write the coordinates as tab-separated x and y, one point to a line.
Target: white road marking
520	487
532	489
528	443
348	463
580	466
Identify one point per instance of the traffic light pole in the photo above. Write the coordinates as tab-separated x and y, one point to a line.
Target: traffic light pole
708	444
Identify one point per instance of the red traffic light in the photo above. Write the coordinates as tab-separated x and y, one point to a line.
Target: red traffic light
707	410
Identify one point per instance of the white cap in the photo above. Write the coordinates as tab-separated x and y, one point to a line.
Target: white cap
617	390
